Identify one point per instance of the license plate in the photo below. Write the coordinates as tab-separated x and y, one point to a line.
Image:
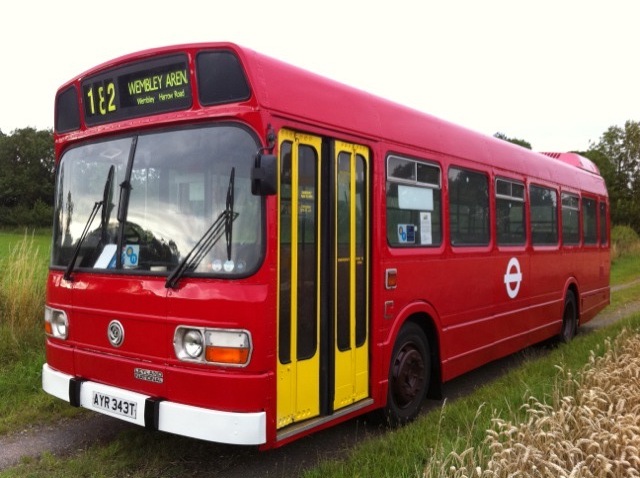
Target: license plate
116	405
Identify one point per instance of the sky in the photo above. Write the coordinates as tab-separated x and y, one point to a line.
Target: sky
556	73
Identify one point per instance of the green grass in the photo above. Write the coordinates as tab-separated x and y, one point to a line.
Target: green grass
625	269
42	241
625	296
24	265
23	262
22	401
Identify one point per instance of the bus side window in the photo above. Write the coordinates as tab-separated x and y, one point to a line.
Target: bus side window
510	219
468	207
414	203
570	219
589	229
604	240
544	216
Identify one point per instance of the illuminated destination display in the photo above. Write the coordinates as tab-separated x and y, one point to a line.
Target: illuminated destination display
141	89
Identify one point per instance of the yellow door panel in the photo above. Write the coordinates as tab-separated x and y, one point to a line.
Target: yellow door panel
298	368
351	246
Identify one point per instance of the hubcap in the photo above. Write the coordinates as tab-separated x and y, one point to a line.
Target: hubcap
408	375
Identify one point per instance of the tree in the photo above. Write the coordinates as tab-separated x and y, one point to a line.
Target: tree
27	166
617	154
519	142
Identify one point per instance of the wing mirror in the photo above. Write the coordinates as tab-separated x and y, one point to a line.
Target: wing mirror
264	175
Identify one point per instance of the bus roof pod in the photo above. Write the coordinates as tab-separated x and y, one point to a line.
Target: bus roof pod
574	159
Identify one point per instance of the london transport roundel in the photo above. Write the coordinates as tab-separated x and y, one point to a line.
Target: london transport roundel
513	278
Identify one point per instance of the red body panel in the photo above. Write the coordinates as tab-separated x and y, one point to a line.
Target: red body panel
150	314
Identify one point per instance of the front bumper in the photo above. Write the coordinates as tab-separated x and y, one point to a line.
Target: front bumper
166	416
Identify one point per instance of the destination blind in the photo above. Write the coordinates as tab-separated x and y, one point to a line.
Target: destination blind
141	89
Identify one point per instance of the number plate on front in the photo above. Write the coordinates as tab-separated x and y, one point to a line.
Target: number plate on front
115	405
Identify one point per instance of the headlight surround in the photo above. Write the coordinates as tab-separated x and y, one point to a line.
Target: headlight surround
56	323
227	347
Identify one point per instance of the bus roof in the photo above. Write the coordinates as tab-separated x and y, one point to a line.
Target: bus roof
291	92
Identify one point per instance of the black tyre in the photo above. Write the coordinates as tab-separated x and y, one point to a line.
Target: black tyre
569	319
409	375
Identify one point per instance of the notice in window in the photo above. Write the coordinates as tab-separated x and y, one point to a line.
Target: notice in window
426	237
410	197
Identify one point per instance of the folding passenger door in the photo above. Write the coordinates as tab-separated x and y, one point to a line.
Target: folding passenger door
323	300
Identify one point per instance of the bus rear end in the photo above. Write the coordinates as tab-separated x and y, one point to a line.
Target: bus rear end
159	309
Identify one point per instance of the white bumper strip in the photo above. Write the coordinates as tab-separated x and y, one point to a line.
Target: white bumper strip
194	422
55	383
225	427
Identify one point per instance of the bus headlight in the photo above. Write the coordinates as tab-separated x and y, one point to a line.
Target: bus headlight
56	323
193	343
229	347
188	343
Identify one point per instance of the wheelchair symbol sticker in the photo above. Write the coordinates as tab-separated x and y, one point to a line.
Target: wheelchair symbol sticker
406	233
130	256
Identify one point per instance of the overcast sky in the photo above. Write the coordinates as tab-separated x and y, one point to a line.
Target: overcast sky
556	73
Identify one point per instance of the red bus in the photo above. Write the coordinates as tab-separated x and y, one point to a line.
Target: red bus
245	252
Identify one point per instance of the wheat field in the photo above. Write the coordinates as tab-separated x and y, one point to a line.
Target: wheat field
590	428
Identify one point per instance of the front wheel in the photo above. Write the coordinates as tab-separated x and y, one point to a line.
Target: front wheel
569	318
409	375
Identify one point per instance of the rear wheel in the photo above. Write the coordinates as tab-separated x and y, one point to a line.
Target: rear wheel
569	318
409	375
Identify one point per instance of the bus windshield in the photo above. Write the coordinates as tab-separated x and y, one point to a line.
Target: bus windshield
156	195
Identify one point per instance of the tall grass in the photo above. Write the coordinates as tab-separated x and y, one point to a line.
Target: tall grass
23	275
22	290
624	242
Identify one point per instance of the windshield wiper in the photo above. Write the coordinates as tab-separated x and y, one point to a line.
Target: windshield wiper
106	197
228	223
222	225
107	205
